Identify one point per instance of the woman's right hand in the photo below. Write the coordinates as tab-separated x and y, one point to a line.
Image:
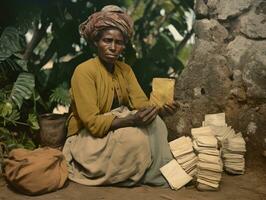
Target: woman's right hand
144	116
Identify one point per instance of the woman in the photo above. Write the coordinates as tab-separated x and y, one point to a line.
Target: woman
117	137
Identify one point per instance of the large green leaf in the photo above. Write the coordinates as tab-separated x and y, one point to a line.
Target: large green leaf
10	42
33	121
12	118
23	88
5	108
22	63
60	95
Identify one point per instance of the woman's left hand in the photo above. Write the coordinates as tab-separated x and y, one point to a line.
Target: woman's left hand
169	108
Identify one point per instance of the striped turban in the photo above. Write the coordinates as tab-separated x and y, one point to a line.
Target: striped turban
110	16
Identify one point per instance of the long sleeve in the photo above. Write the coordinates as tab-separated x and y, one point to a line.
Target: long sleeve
137	97
84	91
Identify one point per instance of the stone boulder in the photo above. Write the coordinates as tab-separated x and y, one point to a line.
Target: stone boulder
226	71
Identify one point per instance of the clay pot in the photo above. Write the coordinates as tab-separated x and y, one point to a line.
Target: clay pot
52	130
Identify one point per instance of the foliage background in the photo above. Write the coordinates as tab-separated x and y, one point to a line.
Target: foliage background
40	47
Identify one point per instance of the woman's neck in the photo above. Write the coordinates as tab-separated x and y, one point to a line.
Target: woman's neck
110	67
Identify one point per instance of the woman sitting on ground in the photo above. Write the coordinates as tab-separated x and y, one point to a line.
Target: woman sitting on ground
116	135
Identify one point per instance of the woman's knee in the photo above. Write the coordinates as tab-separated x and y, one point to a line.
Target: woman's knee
134	137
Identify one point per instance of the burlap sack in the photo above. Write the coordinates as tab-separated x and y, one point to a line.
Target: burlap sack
36	172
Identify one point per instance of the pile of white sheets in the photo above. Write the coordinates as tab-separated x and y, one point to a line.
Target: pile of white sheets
233	152
175	175
182	149
217	119
217	147
209	165
233	145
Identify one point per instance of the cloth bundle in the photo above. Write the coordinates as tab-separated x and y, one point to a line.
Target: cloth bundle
35	172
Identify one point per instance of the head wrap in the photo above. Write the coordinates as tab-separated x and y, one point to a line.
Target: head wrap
110	16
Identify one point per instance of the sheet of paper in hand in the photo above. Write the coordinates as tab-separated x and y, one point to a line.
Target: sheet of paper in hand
162	91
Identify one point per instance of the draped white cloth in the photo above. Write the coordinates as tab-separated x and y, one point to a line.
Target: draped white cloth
126	156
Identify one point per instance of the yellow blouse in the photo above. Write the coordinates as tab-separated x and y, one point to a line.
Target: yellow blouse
92	91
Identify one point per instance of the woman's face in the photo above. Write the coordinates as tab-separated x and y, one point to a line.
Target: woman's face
110	45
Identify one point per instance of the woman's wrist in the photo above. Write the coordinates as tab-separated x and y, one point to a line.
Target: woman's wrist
161	112
131	120
128	121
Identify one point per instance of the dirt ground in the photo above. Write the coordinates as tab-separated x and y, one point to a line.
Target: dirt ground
250	186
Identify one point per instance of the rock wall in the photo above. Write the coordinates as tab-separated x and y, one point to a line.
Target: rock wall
226	71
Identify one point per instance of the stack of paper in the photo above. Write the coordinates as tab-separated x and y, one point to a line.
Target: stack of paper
222	132
217	119
205	143
175	175
233	145
183	152
210	169
209	165
202	131
233	152
204	139
216	122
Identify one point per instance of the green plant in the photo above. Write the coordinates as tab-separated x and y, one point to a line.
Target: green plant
60	95
155	52
20	97
15	126
3	154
